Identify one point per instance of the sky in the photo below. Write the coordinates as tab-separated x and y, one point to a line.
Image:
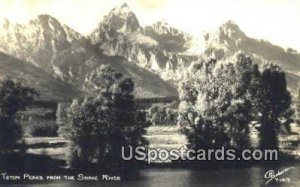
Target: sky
277	21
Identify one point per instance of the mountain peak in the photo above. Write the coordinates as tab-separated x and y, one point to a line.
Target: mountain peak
122	9
124	5
45	18
46	22
162	22
231	30
44	34
230	24
5	23
49	23
121	19
163	27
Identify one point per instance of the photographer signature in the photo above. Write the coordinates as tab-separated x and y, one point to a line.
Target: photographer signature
271	175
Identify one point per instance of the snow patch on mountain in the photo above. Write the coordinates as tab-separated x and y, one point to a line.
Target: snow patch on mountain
38	41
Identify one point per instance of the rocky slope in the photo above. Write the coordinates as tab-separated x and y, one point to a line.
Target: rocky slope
38	41
159	48
155	56
168	51
168	38
229	39
66	55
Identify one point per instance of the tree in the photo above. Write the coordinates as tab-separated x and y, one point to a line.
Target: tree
73	133
14	96
220	100
162	114
275	101
61	117
297	106
216	103
153	115
105	121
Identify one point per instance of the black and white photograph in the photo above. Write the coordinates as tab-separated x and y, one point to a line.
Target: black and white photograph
150	93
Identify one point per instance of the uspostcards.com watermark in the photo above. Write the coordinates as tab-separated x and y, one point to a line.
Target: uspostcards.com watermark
150	155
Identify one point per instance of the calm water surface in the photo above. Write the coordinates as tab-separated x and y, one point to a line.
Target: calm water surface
253	176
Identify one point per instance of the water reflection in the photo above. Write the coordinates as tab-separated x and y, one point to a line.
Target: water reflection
239	177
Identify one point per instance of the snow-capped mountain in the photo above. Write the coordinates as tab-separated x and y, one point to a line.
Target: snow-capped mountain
168	37
119	20
168	51
38	41
229	39
119	28
66	55
159	48
155	56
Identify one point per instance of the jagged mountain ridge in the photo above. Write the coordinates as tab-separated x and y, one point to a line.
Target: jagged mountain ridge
159	48
38	41
168	51
68	56
120	41
229	39
168	37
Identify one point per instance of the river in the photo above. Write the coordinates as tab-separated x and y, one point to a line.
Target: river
240	177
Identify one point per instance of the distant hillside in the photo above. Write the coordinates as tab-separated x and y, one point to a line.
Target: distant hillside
49	87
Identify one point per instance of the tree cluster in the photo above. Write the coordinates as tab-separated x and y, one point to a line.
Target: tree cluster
105	121
220	101
162	115
14	96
